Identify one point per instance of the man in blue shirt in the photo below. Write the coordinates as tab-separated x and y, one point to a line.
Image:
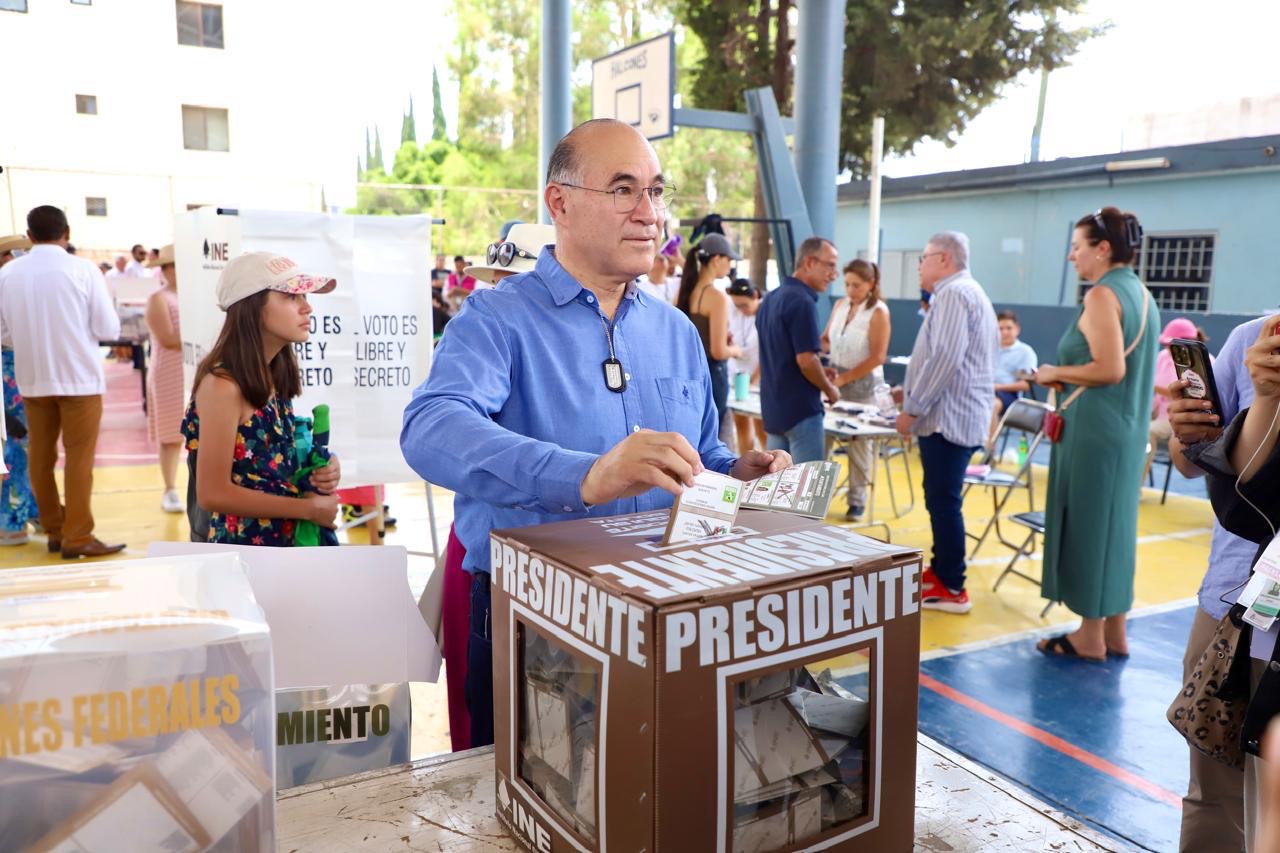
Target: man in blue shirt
792	378
1213	811
566	392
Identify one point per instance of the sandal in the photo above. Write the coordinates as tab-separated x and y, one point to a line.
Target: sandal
1060	646
1112	653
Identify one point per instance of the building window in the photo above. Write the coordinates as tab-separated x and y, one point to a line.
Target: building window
13	5
87	105
1177	268
95	206
204	129
199	24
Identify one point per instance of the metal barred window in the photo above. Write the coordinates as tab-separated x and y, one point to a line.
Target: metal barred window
1177	268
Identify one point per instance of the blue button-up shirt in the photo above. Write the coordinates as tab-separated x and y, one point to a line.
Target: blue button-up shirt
1230	557
787	325
516	410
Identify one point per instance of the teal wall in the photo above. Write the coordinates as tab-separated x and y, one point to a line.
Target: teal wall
1242	208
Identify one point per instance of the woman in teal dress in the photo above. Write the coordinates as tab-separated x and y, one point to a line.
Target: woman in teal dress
1104	378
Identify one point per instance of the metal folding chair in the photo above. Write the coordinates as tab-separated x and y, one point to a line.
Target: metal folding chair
889	452
1025	416
1161	457
1034	522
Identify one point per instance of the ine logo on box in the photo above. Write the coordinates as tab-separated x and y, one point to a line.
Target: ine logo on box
521	819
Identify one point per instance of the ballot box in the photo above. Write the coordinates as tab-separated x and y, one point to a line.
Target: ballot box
752	692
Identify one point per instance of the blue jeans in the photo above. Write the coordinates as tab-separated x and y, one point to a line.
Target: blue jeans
806	441
944	465
719	385
479	684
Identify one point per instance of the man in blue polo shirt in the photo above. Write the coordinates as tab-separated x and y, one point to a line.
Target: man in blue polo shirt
792	378
566	392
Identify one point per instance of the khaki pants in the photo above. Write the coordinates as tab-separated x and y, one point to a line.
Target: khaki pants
77	420
1213	810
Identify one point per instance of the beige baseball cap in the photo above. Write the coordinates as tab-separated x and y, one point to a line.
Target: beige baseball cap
255	272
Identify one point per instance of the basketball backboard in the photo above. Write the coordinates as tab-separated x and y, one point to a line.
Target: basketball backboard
636	85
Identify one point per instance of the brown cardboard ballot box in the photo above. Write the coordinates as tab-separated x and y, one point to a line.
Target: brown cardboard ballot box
749	693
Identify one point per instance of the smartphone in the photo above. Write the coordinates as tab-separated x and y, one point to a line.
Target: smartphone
1191	361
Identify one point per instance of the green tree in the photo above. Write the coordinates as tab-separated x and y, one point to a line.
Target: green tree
749	45
438	132
377	164
929	72
408	129
927	66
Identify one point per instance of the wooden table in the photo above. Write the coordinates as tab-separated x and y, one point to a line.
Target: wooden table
446	804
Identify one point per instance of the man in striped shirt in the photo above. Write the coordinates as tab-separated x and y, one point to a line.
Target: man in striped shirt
947	404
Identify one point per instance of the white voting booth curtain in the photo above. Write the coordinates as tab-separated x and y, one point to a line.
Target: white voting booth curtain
371	337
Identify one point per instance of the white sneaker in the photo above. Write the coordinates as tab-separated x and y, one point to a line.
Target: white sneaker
14	537
171	502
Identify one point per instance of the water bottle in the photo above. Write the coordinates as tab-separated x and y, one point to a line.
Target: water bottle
1022	451
884	401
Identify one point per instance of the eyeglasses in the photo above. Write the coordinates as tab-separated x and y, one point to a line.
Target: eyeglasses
627	198
928	255
1097	220
504	254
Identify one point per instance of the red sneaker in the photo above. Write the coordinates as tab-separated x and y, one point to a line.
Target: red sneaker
935	596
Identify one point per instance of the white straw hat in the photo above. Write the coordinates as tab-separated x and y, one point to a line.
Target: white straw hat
529	238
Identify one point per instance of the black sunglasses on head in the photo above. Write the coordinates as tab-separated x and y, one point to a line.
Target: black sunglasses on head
504	254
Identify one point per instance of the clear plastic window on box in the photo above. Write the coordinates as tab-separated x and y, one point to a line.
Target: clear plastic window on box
136	709
559	728
801	752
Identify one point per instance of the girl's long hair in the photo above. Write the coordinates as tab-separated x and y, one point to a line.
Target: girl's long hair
237	356
693	262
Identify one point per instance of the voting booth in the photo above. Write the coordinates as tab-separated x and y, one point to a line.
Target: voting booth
371	337
753	692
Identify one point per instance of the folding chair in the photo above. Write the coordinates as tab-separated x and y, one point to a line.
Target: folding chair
1026	416
1034	522
1161	457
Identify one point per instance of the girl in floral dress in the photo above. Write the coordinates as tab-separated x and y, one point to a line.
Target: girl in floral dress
17	503
240	419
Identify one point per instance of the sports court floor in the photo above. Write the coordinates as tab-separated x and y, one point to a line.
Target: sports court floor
1089	739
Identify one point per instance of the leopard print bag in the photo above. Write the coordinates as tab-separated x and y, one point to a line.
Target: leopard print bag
1210	710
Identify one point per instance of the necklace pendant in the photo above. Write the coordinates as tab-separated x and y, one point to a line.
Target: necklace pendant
614	378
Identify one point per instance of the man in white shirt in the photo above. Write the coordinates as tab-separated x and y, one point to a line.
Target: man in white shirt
137	266
54	308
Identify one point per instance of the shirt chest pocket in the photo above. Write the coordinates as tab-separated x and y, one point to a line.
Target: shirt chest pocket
682	402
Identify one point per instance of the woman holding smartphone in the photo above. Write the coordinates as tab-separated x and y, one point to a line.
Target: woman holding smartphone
1104	378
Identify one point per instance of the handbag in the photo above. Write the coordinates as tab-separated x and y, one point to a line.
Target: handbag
1054	423
1209	712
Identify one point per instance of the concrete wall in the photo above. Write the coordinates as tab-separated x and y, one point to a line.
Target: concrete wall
1042	328
286	141
1020	237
